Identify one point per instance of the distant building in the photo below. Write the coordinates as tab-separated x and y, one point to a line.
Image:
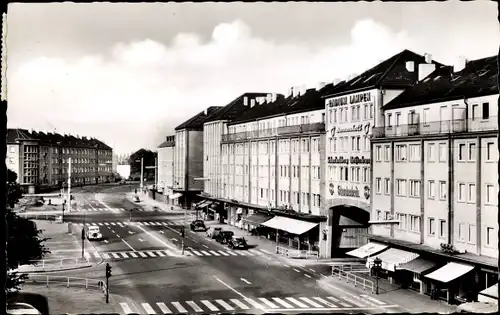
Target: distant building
114	168
166	155
41	159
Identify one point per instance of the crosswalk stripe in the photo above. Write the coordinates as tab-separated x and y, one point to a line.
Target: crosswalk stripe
353	302
338	302
160	254
138	223
210	306
157	223
87	255
255	252
283	303
268	303
197	253
133	255
165	223
100	224
151	254
120	224
164	308
179	307
296	302
372	299
169	253
96	255
214	253
106	223
225	305
148	308
194	306
311	302
126	309
205	252
124	255
113	223
317	298
254	304
145	223
115	255
239	304
106	256
223	253
232	253
142	254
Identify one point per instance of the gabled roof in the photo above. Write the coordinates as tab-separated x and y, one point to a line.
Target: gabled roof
478	78
235	108
391	73
197	121
13	135
309	101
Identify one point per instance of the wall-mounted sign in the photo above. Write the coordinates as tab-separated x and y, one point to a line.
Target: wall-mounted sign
350	99
354	128
332	189
351	160
346	192
367	192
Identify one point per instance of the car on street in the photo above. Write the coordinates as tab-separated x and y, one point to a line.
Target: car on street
213	232
198	225
21	308
93	233
224	236
237	242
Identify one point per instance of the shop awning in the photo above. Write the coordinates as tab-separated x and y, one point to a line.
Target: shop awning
175	196
204	203
449	272
393	258
489	295
367	250
419	265
289	225
257	218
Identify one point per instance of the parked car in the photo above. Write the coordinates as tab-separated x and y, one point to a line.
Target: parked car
213	232
237	242
21	308
198	225
224	236
93	233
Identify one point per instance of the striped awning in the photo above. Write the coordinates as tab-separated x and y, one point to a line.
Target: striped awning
392	258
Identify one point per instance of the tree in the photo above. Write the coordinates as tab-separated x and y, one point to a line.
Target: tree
24	243
149	160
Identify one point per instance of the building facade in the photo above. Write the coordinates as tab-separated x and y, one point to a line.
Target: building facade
41	159
166	162
435	170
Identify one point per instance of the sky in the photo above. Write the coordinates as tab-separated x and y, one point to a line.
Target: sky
128	74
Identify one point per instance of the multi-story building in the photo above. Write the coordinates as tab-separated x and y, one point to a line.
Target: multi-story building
166	161
352	109
435	170
41	159
114	167
188	167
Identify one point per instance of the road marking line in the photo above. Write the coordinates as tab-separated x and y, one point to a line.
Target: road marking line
210	306
205	252
268	303
352	301
159	240
296	302
141	240
314	304
161	232
194	306
174	239
124	255
223	253
179	307
130	232
296	270
113	223
256	252
312	270
115	255
239	304
265	251
106	223
245	280
127	244
160	254
126	309
106	256
169	253
338	301
317	298
151	254
100	224
145	223
254	304
120	224
106	241
96	255
372	299
197	253
305	274
214	253
143	255
232	253
229	287
148	308
286	265
283	303
363	301
225	305
204	245
165	223
164	308
133	254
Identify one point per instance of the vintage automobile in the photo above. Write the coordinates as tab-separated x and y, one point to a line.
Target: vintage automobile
224	236
198	225
93	233
213	232
237	242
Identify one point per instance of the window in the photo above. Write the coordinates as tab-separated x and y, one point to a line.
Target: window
378	215
490	146
387	153
442	228
461	231
475	113
490	235
425	115
471	237
431	190
490	194
442	190
442	152
402	221
378	152
400	152
387	186
366	174
414	223
414	188
461	192
471	196
486	110
472	151
398	119
378	185
431	152
415	152
389	120
432	228
461	151
401	187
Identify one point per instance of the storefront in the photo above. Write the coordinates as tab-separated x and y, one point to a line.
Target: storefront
489	295
452	282
253	222
367	250
412	274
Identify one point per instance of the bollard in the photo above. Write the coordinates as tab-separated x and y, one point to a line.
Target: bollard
47	281
68	282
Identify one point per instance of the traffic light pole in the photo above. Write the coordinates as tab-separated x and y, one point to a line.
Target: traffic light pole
107	289
83	242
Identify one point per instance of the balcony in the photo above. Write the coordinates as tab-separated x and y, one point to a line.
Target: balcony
437	127
272	132
306	128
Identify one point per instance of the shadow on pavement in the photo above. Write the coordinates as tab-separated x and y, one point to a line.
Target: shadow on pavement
38	301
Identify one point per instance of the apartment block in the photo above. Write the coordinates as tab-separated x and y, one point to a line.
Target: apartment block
166	162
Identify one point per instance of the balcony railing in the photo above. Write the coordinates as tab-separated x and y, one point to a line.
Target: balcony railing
437	127
271	132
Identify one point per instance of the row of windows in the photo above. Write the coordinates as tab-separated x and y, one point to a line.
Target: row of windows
466	192
285	171
339	114
273	124
349	144
355	174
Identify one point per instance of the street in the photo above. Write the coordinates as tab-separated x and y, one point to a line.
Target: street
151	275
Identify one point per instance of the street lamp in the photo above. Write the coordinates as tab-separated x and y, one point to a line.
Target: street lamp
377	266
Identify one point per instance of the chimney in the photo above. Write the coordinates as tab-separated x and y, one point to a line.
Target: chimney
460	64
296	91
290	92
336	81
274	97
303	89
206	111
320	85
245	101
424	69
428	58
410	66
252	103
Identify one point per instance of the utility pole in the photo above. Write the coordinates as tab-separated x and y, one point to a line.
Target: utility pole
83	242
69	184
156	175
108	275
182	239
142	173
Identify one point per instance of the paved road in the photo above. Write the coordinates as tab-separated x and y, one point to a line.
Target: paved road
151	275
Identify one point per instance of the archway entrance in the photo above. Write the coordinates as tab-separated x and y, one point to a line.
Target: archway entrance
349	228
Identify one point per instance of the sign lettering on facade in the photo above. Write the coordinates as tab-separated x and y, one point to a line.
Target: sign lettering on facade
350	100
346	192
352	160
355	128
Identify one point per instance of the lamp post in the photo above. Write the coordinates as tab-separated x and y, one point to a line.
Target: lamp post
377	265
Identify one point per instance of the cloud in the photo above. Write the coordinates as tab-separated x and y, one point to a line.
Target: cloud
149	82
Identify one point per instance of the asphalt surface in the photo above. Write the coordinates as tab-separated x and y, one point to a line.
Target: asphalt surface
152	275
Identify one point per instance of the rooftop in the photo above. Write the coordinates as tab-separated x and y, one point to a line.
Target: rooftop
478	78
235	108
197	121
391	73
54	139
